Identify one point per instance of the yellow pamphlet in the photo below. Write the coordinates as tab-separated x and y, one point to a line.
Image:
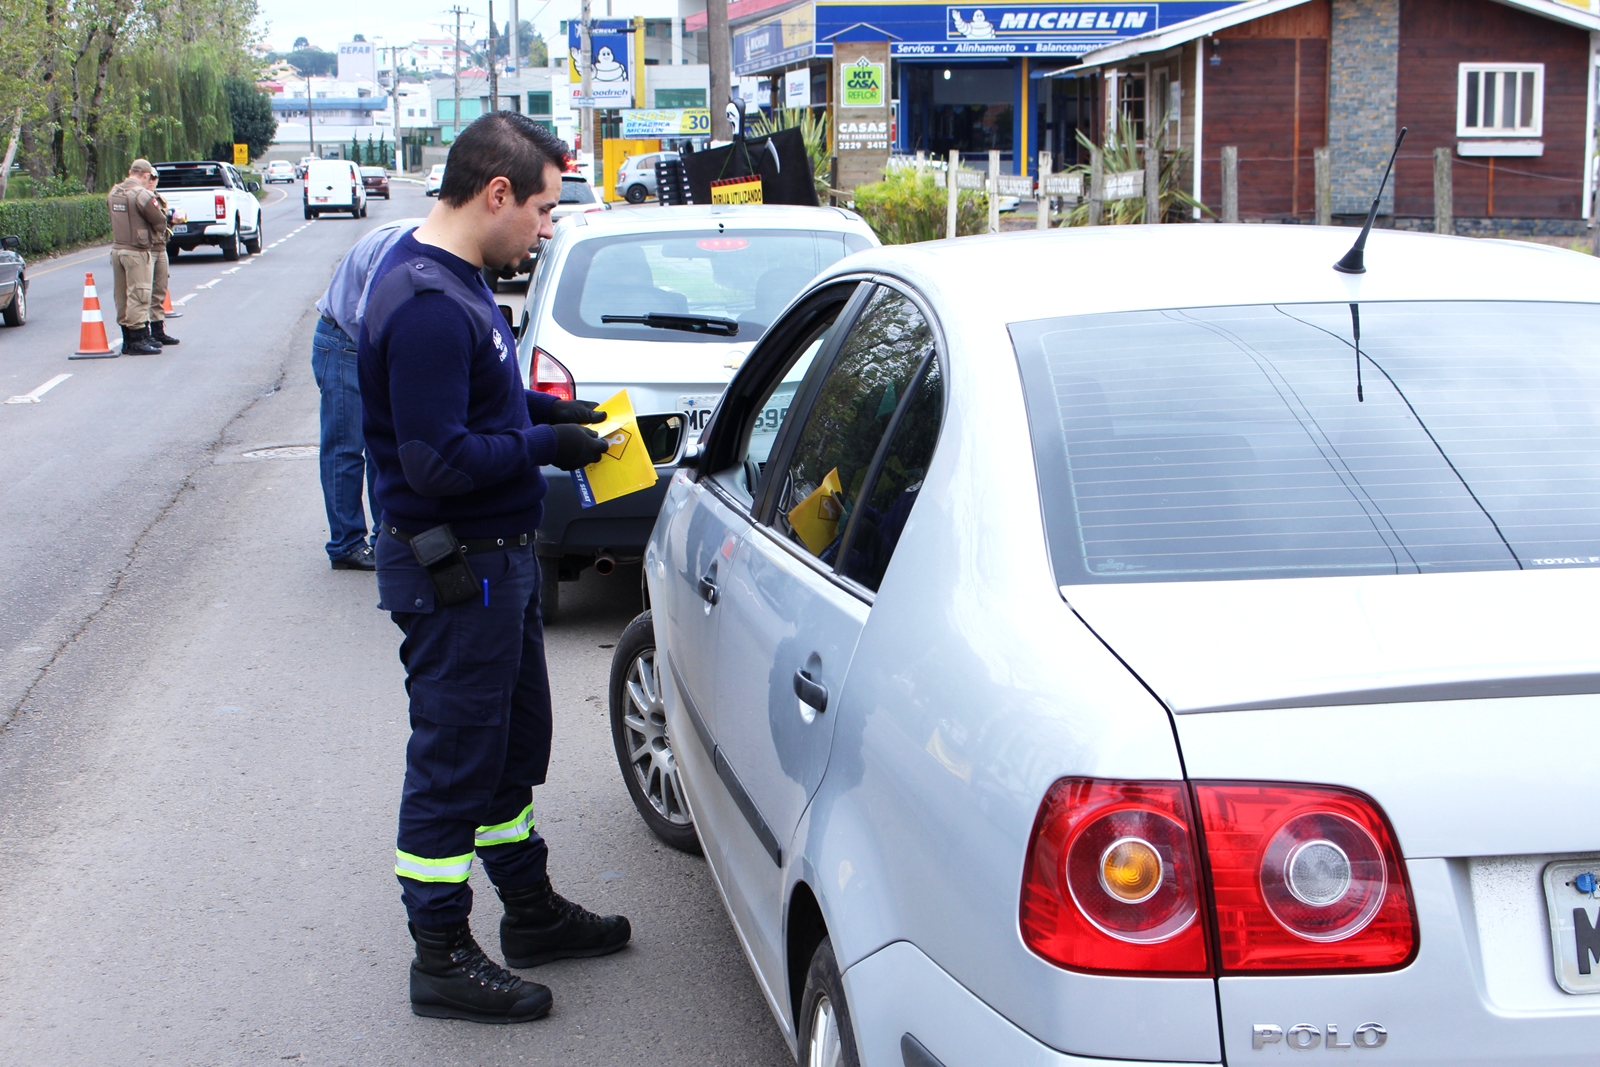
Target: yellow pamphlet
816	518
626	466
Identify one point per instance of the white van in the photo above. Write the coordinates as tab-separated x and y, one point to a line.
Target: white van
334	185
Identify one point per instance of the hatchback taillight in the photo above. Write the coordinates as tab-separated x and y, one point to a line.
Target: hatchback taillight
1304	878
221	206
1296	878
549	376
1111	881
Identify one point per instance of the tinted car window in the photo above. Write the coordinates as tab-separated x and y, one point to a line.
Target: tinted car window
878	361
746	275
576	193
884	509
1231	442
192	176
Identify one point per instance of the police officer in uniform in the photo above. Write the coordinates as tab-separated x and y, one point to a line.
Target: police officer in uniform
458	443
135	220
161	269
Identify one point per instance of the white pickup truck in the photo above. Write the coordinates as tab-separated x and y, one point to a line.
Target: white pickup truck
212	205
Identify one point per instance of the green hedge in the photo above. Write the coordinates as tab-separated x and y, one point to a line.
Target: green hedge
56	222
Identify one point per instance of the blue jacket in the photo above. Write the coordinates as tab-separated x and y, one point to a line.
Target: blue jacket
455	436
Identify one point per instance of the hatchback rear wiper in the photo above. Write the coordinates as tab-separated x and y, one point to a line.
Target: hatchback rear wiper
657	320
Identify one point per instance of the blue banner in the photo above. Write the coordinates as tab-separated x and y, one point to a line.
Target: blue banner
978	30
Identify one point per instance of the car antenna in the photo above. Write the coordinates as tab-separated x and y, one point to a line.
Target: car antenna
1355	328
1355	260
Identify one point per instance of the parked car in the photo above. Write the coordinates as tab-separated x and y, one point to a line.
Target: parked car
636	178
699	285
1175	671
435	178
334	185
376	179
13	282
212	205
280	170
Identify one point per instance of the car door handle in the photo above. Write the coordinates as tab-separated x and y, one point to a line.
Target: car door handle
708	590
810	692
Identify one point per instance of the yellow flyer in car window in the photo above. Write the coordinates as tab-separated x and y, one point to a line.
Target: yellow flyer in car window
816	518
626	466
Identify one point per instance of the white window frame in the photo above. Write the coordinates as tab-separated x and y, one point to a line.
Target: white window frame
1480	69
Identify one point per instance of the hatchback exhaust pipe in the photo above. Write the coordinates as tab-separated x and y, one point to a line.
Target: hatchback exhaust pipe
604	563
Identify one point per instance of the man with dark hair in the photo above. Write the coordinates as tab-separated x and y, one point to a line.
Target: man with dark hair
458	443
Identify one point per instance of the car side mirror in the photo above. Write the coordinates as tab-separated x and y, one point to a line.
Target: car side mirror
11	243
254	187
505	310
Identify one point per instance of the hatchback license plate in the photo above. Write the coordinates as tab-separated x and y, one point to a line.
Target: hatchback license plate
698	408
1572	891
180	228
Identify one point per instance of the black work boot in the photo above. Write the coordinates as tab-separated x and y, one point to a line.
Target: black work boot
451	978
158	333
540	925
139	342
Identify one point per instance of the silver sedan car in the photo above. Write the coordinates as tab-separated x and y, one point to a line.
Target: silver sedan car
1147	644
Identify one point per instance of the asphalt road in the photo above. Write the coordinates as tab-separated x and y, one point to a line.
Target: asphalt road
202	727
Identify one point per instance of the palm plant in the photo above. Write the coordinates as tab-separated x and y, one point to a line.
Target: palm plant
813	124
1121	153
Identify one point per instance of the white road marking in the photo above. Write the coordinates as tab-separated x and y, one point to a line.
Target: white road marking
235	270
33	397
275	244
208	285
184	299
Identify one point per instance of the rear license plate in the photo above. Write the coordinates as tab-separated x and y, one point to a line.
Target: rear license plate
322	200
180	228
1573	892
698	408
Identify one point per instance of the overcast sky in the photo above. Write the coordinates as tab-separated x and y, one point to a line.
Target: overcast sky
401	21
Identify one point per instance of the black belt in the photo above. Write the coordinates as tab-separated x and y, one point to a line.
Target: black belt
332	323
471	545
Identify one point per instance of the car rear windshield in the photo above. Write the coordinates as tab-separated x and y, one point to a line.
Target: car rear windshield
372	172
1229	443
191	176
746	275
576	193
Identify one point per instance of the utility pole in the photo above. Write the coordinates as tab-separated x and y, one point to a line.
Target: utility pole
311	118
455	120
586	127
394	102
494	65
514	46
721	72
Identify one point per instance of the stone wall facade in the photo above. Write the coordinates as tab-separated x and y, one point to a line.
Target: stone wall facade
1363	79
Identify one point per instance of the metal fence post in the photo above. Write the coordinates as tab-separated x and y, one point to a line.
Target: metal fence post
1041	202
1230	183
1322	166
994	190
1152	180
1444	197
1097	186
954	189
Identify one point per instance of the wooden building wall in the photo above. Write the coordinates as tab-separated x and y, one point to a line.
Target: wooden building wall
1436	36
1250	102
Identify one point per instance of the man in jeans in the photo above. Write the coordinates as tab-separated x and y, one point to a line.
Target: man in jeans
333	361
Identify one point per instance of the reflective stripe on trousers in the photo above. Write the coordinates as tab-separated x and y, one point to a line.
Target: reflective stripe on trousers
507	832
421	869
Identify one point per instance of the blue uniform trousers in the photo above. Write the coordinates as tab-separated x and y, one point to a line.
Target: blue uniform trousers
480	730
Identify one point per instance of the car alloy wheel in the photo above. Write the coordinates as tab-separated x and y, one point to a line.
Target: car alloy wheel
826	1039
639	731
17	313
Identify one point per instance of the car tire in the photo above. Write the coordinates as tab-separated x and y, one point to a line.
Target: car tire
550	588
253	245
826	1039
637	194
639	734
230	244
174	249
307	210
17	312
362	213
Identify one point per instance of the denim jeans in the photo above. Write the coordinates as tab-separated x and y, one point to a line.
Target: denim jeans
344	462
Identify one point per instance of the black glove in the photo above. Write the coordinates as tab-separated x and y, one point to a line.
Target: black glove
577	446
565	411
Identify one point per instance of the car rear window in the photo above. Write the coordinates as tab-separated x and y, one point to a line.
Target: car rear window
1228	443
746	275
191	176
372	172
576	193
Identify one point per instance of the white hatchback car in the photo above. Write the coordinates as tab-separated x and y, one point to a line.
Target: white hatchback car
1147	644
435	178
665	303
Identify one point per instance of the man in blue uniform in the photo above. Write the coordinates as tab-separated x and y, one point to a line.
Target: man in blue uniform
458	443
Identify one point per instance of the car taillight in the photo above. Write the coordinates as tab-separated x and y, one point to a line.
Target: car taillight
222	206
549	376
1304	878
1110	884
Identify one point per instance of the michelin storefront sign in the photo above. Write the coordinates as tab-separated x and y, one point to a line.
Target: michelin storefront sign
1003	29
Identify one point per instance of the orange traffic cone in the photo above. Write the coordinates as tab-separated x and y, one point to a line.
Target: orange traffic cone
92	335
166	305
